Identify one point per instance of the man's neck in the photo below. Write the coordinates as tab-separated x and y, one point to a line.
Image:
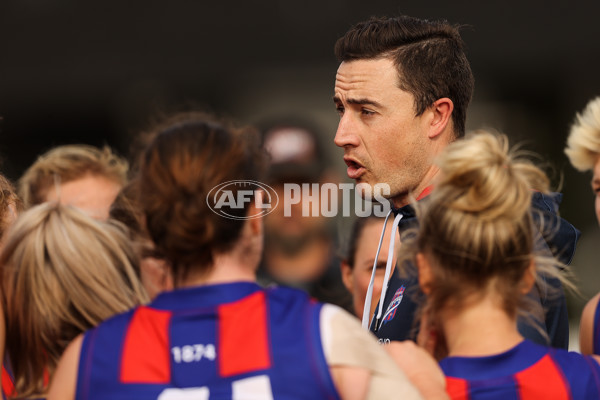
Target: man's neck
422	190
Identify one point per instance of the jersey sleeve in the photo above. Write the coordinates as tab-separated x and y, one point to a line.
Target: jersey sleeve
345	343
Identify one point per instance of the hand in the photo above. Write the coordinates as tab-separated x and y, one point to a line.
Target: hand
420	368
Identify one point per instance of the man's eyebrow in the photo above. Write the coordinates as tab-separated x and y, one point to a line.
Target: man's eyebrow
358	101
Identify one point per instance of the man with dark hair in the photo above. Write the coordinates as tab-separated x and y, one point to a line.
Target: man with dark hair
402	90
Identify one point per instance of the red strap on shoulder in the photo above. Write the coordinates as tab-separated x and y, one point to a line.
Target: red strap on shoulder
8	386
543	380
457	388
145	357
243	341
426	192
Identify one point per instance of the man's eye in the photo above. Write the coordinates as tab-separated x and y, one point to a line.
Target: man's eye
340	110
367	112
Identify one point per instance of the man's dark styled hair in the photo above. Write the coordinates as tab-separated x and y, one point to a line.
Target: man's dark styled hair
429	56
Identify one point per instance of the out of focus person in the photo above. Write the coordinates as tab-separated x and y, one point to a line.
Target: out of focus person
359	257
83	176
583	150
219	334
62	273
300	247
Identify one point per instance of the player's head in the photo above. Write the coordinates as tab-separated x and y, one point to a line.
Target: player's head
190	155
428	55
476	235
80	175
63	273
583	145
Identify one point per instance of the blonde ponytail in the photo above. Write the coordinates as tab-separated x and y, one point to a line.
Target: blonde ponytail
476	227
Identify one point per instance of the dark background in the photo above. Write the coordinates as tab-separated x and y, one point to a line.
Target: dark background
96	72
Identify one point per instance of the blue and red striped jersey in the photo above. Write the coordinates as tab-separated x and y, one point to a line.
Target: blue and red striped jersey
596	339
226	341
526	372
8	384
8	381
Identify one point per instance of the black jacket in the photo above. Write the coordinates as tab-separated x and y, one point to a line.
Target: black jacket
558	237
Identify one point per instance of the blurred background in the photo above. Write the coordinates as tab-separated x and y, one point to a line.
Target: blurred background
97	72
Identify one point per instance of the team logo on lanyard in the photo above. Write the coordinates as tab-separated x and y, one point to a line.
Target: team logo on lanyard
391	310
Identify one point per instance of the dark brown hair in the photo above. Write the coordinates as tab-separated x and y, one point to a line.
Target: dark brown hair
127	210
191	154
349	251
429	56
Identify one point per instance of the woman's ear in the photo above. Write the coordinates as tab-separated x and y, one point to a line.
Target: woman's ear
425	273
529	277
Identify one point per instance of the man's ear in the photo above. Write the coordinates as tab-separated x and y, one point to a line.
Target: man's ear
425	273
442	114
529	277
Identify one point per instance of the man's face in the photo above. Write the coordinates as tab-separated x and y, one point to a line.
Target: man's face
383	140
596	187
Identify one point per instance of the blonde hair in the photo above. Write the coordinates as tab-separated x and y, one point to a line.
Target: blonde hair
583	143
67	163
476	227
63	273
